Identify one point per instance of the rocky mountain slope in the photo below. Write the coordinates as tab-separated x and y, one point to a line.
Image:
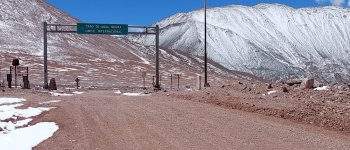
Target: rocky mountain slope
98	60
270	40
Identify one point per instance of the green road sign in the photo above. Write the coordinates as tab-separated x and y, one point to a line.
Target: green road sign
111	29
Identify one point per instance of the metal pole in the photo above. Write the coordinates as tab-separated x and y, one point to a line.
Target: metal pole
46	85
206	84
15	76
157	86
144	82
9	78
28	86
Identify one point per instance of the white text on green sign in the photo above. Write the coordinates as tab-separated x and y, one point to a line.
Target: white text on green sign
111	29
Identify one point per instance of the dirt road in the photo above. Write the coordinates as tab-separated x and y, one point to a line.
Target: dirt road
106	121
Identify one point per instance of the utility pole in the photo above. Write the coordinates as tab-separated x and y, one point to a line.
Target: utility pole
46	84
157	86
206	84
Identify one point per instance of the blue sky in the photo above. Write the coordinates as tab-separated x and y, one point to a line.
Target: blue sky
147	12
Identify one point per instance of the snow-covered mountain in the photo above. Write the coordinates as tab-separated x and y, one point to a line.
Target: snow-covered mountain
270	40
98	60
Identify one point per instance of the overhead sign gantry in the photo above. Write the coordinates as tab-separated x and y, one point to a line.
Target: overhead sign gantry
104	29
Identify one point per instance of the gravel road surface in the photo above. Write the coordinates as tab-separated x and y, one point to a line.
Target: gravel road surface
107	121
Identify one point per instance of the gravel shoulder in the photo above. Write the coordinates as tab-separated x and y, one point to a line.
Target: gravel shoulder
328	109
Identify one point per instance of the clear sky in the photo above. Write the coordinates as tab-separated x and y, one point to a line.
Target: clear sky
147	12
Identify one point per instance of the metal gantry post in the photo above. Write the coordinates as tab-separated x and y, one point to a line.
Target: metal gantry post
46	85
157	86
206	84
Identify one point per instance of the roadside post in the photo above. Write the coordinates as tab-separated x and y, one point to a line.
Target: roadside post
178	80
144	79
171	81
15	63
199	82
9	80
77	80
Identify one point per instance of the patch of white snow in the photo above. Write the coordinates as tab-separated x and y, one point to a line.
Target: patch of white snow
77	92
5	100
271	92
48	102
135	94
60	94
323	88
118	92
28	137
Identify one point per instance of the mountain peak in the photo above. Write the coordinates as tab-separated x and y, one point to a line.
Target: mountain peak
272	5
283	42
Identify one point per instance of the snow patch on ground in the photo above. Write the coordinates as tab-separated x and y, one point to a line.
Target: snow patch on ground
10	126
269	93
9	107
9	111
27	138
78	93
48	102
323	88
135	94
118	92
30	111
60	94
65	94
14	124
5	100
189	90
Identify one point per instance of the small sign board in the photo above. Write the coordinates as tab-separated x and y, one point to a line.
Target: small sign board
110	29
